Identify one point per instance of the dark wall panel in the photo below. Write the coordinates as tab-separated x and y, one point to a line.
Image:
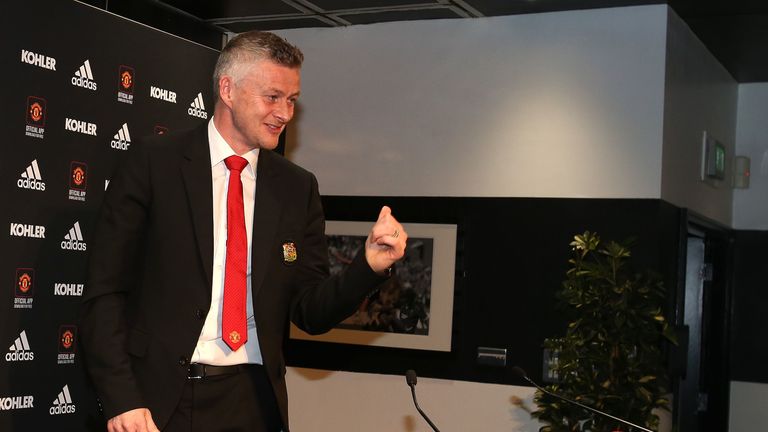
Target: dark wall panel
749	352
65	124
512	257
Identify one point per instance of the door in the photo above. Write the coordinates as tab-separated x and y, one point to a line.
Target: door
703	389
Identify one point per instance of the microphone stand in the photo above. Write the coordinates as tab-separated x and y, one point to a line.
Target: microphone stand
524	376
411	380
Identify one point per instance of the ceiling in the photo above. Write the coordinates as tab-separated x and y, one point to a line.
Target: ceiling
735	31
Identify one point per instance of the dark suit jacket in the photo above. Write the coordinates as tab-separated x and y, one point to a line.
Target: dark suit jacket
149	286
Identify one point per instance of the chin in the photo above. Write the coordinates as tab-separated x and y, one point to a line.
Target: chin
269	145
266	144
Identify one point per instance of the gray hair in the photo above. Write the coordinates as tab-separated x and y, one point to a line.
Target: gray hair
249	47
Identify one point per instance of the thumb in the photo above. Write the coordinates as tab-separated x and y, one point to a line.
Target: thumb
151	427
385	211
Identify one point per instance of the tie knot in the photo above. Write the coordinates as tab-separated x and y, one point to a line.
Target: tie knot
235	163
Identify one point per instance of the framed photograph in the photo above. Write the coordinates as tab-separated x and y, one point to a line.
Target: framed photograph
414	308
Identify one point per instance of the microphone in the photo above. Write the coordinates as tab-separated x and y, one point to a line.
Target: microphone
521	373
410	378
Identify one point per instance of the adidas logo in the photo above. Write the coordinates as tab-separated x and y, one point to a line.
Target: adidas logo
20	350
84	77
63	403
31	178
74	239
197	107
122	138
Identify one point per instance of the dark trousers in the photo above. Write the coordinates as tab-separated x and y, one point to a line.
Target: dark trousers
239	402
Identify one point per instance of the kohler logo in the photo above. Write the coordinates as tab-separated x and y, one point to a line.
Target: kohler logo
80	126
162	94
68	289
16	402
38	60
27	230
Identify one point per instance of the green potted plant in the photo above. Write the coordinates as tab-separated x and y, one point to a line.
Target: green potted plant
610	357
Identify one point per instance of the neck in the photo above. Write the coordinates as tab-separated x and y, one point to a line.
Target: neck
224	122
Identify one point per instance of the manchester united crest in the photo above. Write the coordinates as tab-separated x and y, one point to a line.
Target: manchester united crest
67	344
67	339
289	253
24	282
78	180
234	337
24	289
127	80
78	175
36	112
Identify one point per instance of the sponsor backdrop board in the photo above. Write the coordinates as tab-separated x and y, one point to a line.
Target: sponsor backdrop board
80	85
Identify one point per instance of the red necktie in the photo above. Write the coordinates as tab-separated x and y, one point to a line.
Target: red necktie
233	320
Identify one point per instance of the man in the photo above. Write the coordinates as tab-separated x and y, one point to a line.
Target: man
207	245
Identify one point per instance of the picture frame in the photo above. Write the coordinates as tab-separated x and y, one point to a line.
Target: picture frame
414	309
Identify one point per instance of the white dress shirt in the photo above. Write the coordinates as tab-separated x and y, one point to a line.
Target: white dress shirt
211	348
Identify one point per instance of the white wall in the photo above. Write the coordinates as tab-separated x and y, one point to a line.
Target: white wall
565	104
748	407
750	206
700	95
382	403
749	401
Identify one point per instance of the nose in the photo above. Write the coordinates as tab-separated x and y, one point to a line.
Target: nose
284	112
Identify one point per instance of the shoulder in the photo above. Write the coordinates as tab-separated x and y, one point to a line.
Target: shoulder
272	161
177	140
284	178
169	149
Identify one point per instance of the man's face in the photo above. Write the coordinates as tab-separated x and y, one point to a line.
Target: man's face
263	101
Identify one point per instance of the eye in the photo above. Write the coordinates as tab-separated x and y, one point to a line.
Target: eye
272	98
292	101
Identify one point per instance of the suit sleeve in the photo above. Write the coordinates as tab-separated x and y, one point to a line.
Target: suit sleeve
111	274
321	301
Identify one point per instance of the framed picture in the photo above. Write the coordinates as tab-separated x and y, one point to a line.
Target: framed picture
414	308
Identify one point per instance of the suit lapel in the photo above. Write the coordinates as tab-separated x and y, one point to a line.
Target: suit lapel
266	215
196	171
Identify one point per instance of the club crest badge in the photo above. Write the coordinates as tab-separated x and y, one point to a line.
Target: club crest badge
289	253
234	337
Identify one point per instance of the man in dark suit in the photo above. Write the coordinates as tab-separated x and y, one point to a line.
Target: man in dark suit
207	246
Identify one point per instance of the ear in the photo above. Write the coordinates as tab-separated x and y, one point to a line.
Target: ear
226	89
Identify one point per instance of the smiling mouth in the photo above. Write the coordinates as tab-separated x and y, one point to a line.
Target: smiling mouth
274	128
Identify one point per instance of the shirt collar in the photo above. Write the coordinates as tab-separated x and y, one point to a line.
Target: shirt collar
220	150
